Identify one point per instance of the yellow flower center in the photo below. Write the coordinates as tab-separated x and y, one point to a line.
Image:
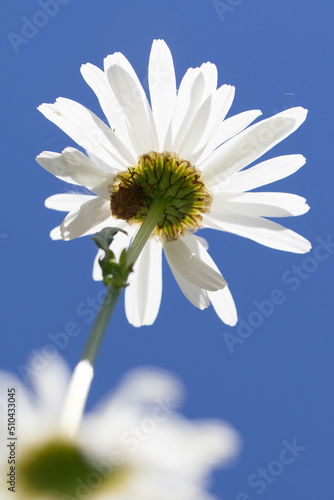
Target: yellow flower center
58	469
165	177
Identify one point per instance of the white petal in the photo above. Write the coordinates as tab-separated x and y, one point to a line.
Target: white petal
221	300
197	296
224	306
229	128
80	220
186	256
146	386
249	145
27	407
193	139
262	231
143	295
264	173
51	384
55	233
98	82
133	102
76	397
210	73
120	60
74	167
66	202
203	242
87	130
211	443
197	85
206	122
97	271
109	222
260	204
189	100
161	77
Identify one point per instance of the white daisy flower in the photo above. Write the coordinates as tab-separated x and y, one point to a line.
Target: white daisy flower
180	150
133	445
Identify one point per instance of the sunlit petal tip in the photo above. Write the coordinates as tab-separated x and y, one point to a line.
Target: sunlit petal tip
86	66
46	202
55	233
298	113
116	59
160	41
302	159
304	247
41	106
47	108
231	88
233	322
208	65
40	157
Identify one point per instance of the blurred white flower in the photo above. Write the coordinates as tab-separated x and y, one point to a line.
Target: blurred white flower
179	149
133	445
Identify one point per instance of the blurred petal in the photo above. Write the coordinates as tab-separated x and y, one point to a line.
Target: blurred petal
56	375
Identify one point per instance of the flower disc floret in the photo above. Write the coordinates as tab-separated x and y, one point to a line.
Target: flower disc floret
166	178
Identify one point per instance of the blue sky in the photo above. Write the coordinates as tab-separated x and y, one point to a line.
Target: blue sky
274	383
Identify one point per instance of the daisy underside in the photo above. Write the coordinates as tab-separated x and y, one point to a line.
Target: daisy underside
181	152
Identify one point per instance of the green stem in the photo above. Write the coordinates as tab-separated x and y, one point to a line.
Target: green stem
83	374
99	328
145	231
110	300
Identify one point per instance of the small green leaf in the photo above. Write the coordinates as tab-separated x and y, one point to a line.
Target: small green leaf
115	274
104	238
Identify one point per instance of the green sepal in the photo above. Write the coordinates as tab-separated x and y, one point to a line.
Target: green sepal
104	238
115	274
